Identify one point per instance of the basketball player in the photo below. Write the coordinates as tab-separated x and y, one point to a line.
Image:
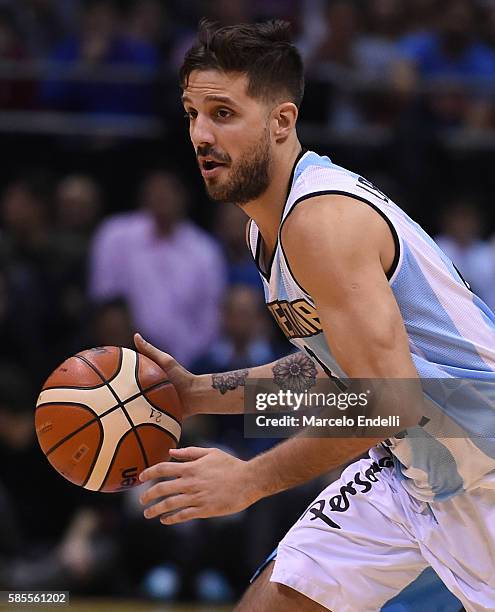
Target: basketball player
385	302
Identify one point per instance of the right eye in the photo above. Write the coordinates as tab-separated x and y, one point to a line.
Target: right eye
192	114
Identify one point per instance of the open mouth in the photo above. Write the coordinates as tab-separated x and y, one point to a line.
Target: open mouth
209	166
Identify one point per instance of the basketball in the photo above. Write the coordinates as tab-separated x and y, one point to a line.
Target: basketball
104	415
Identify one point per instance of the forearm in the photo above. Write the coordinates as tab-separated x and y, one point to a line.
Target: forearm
224	393
299	459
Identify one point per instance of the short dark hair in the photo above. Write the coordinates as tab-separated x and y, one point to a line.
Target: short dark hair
262	51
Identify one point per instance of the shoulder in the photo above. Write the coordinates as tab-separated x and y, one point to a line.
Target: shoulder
328	236
332	217
316	174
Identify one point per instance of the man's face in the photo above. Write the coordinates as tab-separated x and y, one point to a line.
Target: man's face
230	134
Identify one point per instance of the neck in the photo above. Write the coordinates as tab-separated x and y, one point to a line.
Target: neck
266	211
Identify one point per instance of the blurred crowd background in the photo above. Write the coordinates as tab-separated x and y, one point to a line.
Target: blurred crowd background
105	229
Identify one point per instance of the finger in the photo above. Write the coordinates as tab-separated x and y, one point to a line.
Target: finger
182	516
171	504
165	469
164	489
164	360
189	453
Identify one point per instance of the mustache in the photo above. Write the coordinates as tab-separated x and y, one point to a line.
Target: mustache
209	151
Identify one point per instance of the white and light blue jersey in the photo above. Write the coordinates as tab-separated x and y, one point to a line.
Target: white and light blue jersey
451	331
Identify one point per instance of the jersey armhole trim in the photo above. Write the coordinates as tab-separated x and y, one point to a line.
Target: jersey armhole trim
397	255
249	227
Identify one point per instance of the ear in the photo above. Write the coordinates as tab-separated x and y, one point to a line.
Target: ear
284	120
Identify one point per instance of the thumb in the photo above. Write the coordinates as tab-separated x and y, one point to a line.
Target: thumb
164	360
189	453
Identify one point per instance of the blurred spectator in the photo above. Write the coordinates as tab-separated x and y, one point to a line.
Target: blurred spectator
460	239
114	70
33	268
169	270
149	23
244	343
453	48
377	47
42	23
355	57
337	49
230	228
64	548
13	337
453	56
111	325
78	206
13	93
334	61
44	260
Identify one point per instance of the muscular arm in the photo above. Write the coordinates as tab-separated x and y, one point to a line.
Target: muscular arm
344	271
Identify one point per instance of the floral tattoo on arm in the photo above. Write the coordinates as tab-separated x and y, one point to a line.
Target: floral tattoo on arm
296	372
229	381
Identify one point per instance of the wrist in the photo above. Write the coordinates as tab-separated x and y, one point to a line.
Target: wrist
200	386
254	478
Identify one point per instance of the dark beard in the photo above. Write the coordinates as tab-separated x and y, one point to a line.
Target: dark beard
250	177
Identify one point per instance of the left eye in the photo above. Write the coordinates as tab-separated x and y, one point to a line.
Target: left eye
223	113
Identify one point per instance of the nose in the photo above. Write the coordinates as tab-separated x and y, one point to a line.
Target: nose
201	131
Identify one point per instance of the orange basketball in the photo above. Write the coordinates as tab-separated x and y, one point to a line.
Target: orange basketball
105	415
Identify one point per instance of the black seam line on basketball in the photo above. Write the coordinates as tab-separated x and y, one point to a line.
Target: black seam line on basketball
114	457
121	403
97	453
67	404
132	398
143	391
116	397
169	433
104	414
95	369
104	380
156	407
68	437
115	453
159	408
136	378
73	387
